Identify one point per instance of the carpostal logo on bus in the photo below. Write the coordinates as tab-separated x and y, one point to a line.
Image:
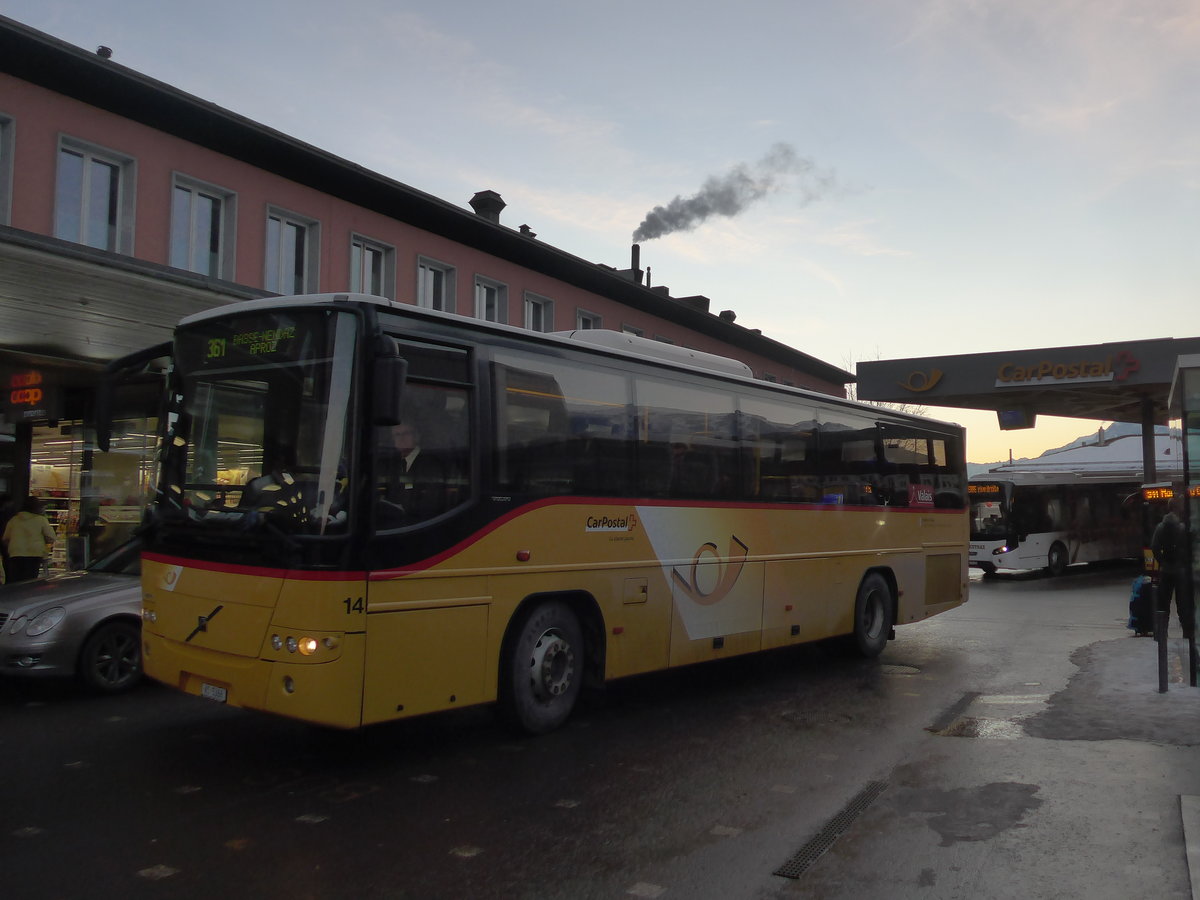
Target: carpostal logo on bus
610	522
1117	367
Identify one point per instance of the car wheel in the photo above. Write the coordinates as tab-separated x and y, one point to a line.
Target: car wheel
111	659
543	672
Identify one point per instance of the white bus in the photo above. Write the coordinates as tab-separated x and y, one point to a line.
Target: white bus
1052	519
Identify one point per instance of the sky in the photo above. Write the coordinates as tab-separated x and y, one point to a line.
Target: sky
860	179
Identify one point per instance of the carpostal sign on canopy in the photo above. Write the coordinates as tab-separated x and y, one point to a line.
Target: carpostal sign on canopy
1115	367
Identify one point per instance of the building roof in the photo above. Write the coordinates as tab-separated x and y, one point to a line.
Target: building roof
55	65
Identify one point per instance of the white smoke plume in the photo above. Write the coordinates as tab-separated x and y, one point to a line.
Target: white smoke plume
729	194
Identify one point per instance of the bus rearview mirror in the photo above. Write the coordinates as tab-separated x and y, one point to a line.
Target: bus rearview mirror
388	384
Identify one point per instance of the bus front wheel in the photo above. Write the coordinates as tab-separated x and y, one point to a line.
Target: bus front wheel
874	616
1056	560
543	670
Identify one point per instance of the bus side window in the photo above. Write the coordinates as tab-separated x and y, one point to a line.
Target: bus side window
850	468
919	463
560	429
687	440
779	451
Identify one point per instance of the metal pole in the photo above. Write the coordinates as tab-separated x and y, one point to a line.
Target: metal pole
1149	472
1192	659
1161	619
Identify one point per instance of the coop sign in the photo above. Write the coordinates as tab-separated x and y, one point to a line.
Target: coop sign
30	396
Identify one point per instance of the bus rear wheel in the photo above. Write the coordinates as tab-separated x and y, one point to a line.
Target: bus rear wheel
1056	559
874	616
543	671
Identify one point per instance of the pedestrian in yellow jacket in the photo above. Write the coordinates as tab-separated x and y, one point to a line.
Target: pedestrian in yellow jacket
28	538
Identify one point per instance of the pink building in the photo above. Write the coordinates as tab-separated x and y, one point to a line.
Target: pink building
126	204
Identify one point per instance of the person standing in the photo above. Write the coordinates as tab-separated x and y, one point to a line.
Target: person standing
1169	546
28	538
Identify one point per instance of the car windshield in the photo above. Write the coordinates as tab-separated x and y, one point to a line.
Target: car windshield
258	437
124	560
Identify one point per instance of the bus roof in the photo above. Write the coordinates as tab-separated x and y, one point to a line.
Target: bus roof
1061	476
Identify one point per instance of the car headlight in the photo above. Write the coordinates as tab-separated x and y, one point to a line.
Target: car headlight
43	622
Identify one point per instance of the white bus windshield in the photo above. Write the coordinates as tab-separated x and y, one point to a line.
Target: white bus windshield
989	511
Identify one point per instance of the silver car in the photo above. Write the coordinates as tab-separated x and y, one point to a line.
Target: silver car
86	623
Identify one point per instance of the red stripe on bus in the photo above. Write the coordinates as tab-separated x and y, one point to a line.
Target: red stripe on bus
526	509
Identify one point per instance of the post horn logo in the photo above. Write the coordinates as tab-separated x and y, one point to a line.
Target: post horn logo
730	570
919	382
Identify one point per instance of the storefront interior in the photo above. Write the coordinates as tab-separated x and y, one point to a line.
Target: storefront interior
94	500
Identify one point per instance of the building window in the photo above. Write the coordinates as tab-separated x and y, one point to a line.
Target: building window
585	319
6	168
202	222
291	257
663	339
435	284
539	313
372	267
491	300
630	329
93	201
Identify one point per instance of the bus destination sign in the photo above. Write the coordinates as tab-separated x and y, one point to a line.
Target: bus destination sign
983	488
248	341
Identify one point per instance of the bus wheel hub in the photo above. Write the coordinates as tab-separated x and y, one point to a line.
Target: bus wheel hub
552	666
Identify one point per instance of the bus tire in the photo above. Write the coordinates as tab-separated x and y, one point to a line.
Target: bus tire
874	616
542	673
989	569
1056	559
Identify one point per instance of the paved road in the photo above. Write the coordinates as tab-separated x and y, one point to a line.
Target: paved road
1017	746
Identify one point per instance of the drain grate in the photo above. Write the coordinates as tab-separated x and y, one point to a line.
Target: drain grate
834	828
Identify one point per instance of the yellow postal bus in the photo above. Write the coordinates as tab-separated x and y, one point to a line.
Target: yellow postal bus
368	511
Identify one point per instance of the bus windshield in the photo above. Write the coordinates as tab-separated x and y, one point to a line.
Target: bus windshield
257	437
989	511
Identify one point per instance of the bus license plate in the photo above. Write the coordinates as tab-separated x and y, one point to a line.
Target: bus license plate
212	692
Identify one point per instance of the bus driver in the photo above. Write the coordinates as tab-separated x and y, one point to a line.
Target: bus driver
411	476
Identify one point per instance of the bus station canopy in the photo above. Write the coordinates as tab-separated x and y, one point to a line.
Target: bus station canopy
1124	381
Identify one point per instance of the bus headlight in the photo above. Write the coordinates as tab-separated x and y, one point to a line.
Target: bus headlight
1000	550
314	648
